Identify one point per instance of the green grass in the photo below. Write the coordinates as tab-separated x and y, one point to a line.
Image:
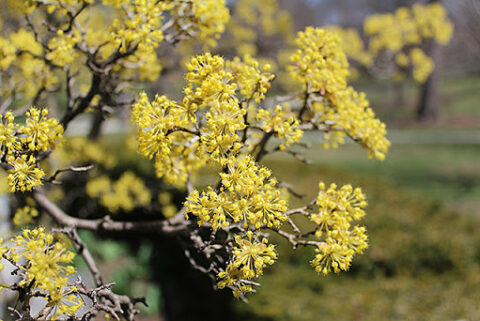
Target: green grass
447	172
459	100
460	96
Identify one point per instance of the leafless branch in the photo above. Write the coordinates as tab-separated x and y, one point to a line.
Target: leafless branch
106	223
68	169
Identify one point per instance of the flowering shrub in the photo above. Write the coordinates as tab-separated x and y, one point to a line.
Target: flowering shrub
399	38
223	120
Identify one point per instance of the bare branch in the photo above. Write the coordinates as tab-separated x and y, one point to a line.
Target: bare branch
68	169
82	249
106	223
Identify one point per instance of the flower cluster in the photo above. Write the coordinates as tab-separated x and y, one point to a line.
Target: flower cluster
22	65
321	66
281	122
402	33
124	194
25	216
348	113
180	142
25	174
120	33
142	27
209	17
432	22
248	196
319	63
62	48
338	209
253	82
44	266
250	256
8	128
166	133
19	145
41	133
422	65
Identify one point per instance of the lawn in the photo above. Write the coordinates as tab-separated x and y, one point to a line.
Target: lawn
459	98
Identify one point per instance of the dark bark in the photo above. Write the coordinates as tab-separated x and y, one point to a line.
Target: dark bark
96	127
187	294
428	104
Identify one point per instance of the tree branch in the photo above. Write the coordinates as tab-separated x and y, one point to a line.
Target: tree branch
106	223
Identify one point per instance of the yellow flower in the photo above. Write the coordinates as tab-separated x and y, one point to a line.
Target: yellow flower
64	302
41	133
124	194
249	258
25	174
332	257
62	48
7	132
283	123
249	195
165	132
337	210
321	66
319	63
25	216
252	81
45	260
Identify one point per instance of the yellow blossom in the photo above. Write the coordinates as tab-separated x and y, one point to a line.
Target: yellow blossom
124	194
338	209
8	140
25	174
283	123
45	260
25	216
41	133
249	196
249	258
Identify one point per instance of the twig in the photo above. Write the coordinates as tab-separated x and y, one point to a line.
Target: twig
82	249
68	169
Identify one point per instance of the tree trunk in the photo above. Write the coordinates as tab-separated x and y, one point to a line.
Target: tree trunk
96	126
187	294
428	105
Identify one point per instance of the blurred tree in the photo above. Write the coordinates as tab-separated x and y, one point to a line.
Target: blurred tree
427	108
402	43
